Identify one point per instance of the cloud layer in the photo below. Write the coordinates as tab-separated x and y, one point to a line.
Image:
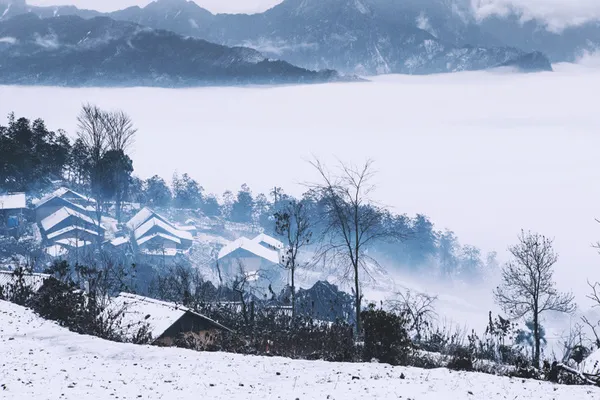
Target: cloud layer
557	14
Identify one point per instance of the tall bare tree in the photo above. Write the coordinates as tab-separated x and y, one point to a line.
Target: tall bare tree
91	129
120	130
293	224
527	287
353	221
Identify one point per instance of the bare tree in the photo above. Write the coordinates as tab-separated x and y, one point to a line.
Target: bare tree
120	130
91	129
527	286
353	221
419	309
595	297
293	224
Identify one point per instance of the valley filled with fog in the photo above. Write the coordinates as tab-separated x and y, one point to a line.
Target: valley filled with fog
484	154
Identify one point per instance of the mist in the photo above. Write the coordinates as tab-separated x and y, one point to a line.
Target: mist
484	154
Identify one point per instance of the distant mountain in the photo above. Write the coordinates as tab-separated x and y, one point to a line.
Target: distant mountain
72	51
352	36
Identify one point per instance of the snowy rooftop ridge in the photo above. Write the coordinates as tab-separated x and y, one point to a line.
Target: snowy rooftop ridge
70	229
142	217
54	219
12	201
251	246
154	221
161	235
159	315
62	192
271	241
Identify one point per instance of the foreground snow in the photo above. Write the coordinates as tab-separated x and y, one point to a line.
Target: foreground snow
43	361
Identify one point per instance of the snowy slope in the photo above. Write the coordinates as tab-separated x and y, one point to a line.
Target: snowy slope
43	361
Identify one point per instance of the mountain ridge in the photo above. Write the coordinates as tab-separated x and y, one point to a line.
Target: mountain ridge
362	37
73	51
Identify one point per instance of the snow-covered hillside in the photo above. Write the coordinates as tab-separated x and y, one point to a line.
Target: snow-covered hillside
43	361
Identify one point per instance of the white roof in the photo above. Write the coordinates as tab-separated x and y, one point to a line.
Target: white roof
34	281
60	193
143	216
252	247
161	235
56	251
142	230
160	252
120	241
187	228
138	311
54	219
69	229
12	201
271	241
72	242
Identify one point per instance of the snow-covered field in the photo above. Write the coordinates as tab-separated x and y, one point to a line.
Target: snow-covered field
43	361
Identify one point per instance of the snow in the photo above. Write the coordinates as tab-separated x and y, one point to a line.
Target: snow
268	240
160	235
252	247
142	230
591	365
119	241
71	229
34	280
12	201
158	315
73	243
142	216
138	310
56	251
41	360
54	219
484	154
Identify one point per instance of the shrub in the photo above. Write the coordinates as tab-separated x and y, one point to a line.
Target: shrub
462	359
385	337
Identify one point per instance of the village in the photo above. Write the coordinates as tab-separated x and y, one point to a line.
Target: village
66	226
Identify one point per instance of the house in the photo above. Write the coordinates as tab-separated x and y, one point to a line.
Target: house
63	198
164	321
11	210
32	281
71	229
66	217
251	255
156	236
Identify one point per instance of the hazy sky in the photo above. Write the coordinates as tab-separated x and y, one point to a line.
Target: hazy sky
557	13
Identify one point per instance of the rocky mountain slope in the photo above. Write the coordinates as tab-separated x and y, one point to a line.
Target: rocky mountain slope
72	51
352	36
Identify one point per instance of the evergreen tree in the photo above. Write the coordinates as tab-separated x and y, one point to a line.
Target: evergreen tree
242	208
157	193
187	193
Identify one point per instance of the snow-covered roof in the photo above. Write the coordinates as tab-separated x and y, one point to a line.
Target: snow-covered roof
120	241
166	252
252	247
142	230
54	219
62	193
159	315
73	243
186	228
142	217
70	229
161	235
56	250
271	241
33	281
12	201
